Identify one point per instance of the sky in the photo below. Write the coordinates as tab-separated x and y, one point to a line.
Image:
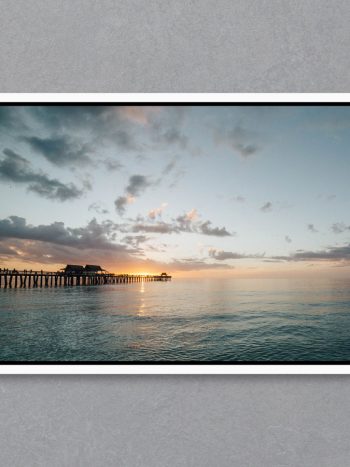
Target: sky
188	190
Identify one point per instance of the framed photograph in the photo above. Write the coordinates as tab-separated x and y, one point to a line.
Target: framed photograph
174	233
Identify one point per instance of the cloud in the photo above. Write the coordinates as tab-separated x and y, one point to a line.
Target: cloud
7	250
94	235
95	242
196	265
185	223
159	227
51	254
174	136
192	215
73	116
239	139
56	243
311	228
169	167
222	255
267	207
98	208
288	239
206	229
121	202
135	240
17	169
9	118
60	150
340	227
157	212
176	172
96	122
337	253
137	184
189	223
166	127
116	123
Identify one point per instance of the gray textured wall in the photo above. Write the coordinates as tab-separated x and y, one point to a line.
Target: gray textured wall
174	45
170	46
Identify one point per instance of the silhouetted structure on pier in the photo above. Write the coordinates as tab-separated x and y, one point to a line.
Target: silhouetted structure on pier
94	268
71	275
73	269
77	269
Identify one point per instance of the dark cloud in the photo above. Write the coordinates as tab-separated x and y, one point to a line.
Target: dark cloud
336	253
50	253
124	139
17	169
135	240
60	150
239	139
166	127
267	207
188	223
120	204
94	235
206	229
196	265
221	255
158	227
96	242
62	117
56	243
9	117
311	228
340	227
184	223
98	123
137	184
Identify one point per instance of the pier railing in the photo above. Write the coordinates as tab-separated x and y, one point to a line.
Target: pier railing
12	278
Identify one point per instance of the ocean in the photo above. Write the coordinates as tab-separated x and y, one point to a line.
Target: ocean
209	320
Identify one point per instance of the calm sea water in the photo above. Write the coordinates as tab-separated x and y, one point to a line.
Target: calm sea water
183	320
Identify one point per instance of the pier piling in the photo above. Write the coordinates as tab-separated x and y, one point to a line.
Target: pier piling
11	278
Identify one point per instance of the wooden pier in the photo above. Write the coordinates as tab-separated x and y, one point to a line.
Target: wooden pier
11	278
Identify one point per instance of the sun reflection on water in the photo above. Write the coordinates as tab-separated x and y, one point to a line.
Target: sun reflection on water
141	309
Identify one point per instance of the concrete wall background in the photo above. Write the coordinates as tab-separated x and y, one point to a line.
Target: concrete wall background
174	46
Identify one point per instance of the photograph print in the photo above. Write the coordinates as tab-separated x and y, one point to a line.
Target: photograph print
174	233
